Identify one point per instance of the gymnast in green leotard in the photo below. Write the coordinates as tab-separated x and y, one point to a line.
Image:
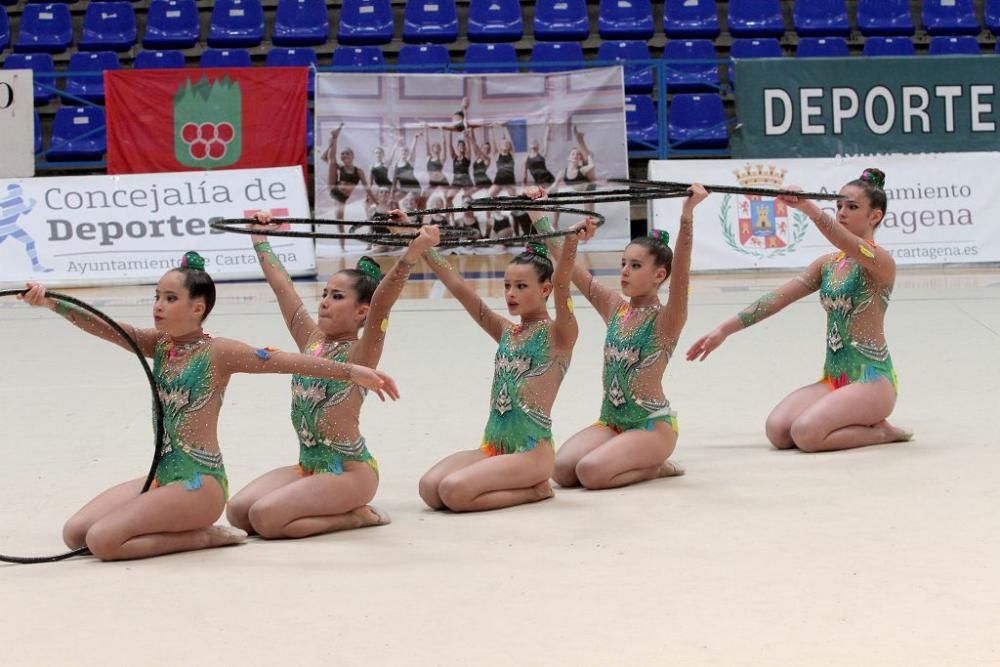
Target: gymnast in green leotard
514	461
850	404
192	370
636	432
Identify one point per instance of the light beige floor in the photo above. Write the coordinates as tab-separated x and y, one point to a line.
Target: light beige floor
883	556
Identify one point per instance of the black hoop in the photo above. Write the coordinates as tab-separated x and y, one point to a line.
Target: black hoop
230	225
157	414
731	189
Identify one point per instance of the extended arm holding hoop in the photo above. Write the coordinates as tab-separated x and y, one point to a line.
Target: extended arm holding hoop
485	317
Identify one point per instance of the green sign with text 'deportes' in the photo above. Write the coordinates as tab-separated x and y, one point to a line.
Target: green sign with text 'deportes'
846	106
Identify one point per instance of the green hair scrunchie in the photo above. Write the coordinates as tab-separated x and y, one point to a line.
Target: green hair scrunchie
535	248
193	260
370	268
660	235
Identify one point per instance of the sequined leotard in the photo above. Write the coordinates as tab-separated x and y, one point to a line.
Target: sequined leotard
320	450
635	359
524	362
854	306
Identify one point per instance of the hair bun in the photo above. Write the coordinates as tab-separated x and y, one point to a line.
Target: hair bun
535	248
873	177
370	268
661	235
193	260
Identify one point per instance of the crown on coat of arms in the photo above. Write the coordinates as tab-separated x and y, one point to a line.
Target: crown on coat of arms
757	175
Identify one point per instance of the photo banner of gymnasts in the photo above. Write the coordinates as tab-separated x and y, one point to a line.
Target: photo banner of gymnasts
17	123
440	141
941	209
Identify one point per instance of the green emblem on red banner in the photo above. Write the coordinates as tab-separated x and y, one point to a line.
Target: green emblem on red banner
208	124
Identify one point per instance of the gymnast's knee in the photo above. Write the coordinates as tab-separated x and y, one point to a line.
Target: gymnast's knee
778	432
429	493
807	434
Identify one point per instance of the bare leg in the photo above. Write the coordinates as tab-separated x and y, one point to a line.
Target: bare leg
779	423
500	481
165	520
238	510
574	449
75	530
316	504
633	456
852	416
431	481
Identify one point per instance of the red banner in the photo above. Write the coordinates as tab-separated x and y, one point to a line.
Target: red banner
197	119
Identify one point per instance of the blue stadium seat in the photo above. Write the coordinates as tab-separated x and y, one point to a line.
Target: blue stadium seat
821	18
495	21
950	17
172	24
434	21
8	3
756	18
483	58
764	47
685	19
431	58
889	46
44	28
236	23
300	23
225	58
638	78
78	133
108	26
38	134
90	88
885	17
692	77
309	131
561	20
697	120
365	22
358	56
960	45
302	56
556	52
625	19
158	60
4	29
991	16
640	122
823	47
39	63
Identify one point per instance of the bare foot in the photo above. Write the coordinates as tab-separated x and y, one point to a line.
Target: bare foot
893	433
670	469
222	536
543	490
372	516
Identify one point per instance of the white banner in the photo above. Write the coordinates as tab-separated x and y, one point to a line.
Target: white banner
17	123
99	230
437	140
942	209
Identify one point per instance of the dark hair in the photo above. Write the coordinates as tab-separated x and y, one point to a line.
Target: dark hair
537	256
656	245
872	181
366	276
197	281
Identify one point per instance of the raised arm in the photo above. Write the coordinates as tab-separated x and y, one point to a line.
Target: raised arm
672	318
566	328
232	356
801	285
471	136
582	145
300	324
876	261
491	322
451	147
548	135
413	147
369	349
82	319
427	139
604	301
332	173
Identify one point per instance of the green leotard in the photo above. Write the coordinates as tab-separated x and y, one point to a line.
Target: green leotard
514	424
311	397
846	298
184	390
629	349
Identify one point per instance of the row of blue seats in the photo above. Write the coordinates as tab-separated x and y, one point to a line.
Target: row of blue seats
701	74
240	23
695	122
